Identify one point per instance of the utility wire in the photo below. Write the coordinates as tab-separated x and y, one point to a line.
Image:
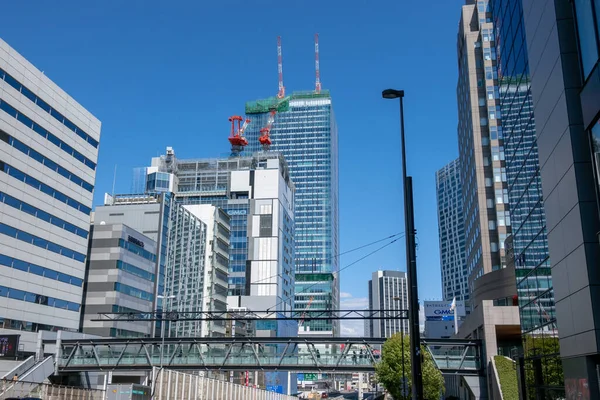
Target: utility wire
346	267
398	235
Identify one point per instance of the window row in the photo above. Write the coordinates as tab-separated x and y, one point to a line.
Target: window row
22	118
17	144
131	291
28	326
39	242
42	187
29	297
38	270
121	309
132	269
124	333
134	248
46	107
43	215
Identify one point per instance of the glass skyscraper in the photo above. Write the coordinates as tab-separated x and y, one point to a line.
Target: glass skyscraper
451	228
540	362
305	132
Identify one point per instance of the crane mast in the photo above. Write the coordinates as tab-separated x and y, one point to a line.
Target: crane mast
317	71
281	93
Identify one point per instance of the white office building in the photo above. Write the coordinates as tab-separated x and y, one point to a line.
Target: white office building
451	228
388	290
216	263
48	154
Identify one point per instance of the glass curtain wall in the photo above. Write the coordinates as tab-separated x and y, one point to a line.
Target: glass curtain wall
540	363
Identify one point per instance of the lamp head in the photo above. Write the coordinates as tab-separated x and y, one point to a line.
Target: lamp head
392	93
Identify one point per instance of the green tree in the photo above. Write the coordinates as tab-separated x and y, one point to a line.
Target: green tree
543	367
396	350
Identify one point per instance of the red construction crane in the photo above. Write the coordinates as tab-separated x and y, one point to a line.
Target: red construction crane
301	322
236	138
281	93
317	72
264	138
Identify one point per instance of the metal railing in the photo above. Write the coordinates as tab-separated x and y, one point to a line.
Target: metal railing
9	388
174	385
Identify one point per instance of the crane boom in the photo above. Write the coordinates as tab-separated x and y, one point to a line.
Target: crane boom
236	137
264	138
301	322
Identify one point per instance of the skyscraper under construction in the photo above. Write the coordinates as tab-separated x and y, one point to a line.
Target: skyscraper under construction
302	127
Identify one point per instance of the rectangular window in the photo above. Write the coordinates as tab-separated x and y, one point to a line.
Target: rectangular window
501	221
499	199
588	44
266	225
495	153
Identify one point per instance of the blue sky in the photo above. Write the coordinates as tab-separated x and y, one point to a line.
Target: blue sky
160	73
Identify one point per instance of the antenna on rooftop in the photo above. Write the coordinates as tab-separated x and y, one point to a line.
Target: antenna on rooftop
281	93
317	72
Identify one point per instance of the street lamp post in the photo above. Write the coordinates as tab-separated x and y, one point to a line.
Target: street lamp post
411	259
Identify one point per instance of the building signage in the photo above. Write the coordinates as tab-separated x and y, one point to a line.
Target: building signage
135	241
441	309
237	212
9	344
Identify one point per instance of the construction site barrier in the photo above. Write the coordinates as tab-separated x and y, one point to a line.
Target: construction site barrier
19	389
174	385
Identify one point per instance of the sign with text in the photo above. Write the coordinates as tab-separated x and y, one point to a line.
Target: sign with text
9	345
440	309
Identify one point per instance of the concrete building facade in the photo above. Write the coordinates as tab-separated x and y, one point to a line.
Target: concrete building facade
388	290
48	155
257	194
562	42
121	278
480	144
451	229
216	264
184	275
150	215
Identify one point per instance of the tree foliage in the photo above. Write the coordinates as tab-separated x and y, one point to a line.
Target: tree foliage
542	354
390	372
